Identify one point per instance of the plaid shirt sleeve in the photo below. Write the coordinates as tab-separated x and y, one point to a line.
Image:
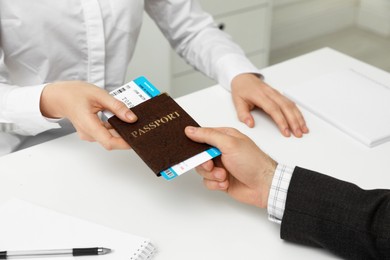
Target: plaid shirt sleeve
278	193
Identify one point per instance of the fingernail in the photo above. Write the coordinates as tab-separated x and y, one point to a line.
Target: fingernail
248	122
207	166
298	132
218	175
131	116
222	185
305	129
190	129
287	132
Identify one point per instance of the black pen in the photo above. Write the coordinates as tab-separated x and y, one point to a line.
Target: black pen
54	252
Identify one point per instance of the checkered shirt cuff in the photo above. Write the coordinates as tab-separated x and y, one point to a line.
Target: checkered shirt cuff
278	193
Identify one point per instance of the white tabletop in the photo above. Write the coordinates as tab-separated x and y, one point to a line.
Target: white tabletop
185	220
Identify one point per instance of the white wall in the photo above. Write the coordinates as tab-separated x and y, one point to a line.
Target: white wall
295	21
374	15
285	2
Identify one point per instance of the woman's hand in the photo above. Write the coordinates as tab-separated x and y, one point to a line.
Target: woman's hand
80	102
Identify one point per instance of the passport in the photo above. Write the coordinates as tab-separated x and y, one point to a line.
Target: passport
158	135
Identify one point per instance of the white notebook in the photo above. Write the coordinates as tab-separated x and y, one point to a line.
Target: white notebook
25	226
351	101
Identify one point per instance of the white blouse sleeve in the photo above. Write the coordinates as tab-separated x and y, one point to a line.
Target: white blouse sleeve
19	106
195	37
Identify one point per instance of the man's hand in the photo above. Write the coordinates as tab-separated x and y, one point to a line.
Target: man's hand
249	91
80	102
245	172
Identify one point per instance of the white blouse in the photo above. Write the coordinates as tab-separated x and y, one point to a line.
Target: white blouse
43	41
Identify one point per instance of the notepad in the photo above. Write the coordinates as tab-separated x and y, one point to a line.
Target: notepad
25	226
349	100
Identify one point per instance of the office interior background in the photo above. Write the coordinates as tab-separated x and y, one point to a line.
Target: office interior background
271	31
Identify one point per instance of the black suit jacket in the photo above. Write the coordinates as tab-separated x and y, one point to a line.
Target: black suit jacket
339	216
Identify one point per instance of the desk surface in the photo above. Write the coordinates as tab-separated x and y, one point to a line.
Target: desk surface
185	220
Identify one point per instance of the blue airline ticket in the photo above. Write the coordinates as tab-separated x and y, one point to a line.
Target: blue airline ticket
139	90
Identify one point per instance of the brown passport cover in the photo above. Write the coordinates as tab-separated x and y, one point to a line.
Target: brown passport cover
158	135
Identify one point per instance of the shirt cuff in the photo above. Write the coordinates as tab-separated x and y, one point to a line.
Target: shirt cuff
278	193
231	66
22	109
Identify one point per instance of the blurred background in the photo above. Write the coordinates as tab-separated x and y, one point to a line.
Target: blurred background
271	31
359	28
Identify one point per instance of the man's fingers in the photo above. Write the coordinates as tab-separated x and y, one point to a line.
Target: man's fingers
207	166
216	185
222	138
217	174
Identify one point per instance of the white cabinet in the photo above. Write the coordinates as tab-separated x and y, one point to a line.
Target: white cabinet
247	21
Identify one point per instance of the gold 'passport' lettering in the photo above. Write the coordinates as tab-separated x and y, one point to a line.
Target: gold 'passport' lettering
155	124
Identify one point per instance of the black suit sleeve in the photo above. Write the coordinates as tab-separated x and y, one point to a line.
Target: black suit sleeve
336	215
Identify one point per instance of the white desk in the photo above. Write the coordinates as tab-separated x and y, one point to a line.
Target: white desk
185	220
